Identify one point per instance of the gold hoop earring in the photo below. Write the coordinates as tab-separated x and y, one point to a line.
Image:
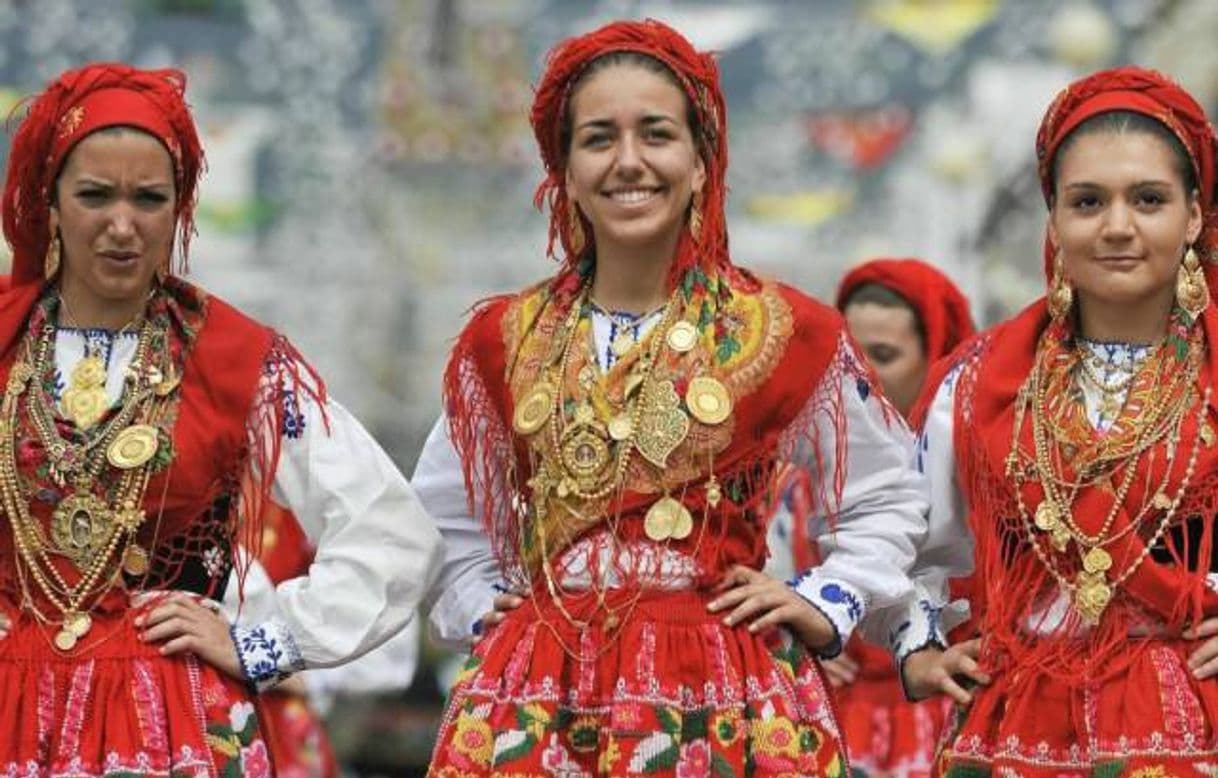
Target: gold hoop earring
575	230
50	263
1192	293
695	216
1061	293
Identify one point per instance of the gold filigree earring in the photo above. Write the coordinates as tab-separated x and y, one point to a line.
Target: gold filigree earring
1192	293
575	230
1061	293
695	216
50	263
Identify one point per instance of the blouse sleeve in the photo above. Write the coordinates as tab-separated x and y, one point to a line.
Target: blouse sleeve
869	547
377	550
469	577
926	614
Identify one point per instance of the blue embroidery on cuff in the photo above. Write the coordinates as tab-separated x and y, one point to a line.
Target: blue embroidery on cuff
267	652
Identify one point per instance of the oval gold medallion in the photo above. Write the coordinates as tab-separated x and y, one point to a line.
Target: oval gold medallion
65	640
708	400
135	561
661	518
1046	517
682	337
133	447
534	410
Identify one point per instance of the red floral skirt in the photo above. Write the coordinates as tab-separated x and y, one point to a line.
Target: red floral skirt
675	694
116	707
297	737
1152	721
884	732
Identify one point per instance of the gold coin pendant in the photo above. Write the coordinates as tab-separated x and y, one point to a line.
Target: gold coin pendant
65	640
1097	560
534	410
683	524
133	447
1046	517
78	623
135	561
621	427
708	400
682	336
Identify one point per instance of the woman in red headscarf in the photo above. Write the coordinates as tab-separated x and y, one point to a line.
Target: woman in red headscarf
615	430
1074	446
144	428
905	315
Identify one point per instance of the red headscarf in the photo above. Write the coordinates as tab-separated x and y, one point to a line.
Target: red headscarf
938	303
985	415
699	77
74	105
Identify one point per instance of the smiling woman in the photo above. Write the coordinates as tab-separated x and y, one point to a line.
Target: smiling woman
612	440
146	428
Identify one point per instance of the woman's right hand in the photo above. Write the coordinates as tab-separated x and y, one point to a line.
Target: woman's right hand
935	671
501	606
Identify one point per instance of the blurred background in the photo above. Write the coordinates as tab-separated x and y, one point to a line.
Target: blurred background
371	167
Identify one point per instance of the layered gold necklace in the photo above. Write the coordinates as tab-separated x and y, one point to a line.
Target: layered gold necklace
91	531
1064	443
583	444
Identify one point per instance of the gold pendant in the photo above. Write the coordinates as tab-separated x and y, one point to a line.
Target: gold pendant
708	400
1059	536
682	336
1097	560
714	492
135	561
65	640
1207	434
621	427
662	424
531	414
84	401
77	622
133	447
665	518
1091	596
167	384
622	343
1161	501
584	453
1046	517
81	527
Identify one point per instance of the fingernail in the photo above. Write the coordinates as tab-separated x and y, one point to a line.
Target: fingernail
712	605
728	621
139	621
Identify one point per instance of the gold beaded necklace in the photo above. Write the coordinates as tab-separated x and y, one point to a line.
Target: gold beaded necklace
88	530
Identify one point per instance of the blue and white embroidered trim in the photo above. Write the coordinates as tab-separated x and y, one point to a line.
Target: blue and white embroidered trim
839	602
268	653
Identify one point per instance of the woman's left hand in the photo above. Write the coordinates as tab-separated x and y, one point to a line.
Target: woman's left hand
1204	660
181	623
766	602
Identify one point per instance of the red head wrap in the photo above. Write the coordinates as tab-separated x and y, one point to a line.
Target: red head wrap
938	303
1145	92
74	105
699	77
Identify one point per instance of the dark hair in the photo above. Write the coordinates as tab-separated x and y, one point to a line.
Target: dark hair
635	58
878	294
1122	122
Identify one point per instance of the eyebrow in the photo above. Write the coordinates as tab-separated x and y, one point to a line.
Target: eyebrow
99	182
1092	185
648	119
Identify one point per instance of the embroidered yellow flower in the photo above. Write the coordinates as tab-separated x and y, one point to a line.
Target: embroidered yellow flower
1157	771
608	757
538	719
775	737
474	739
